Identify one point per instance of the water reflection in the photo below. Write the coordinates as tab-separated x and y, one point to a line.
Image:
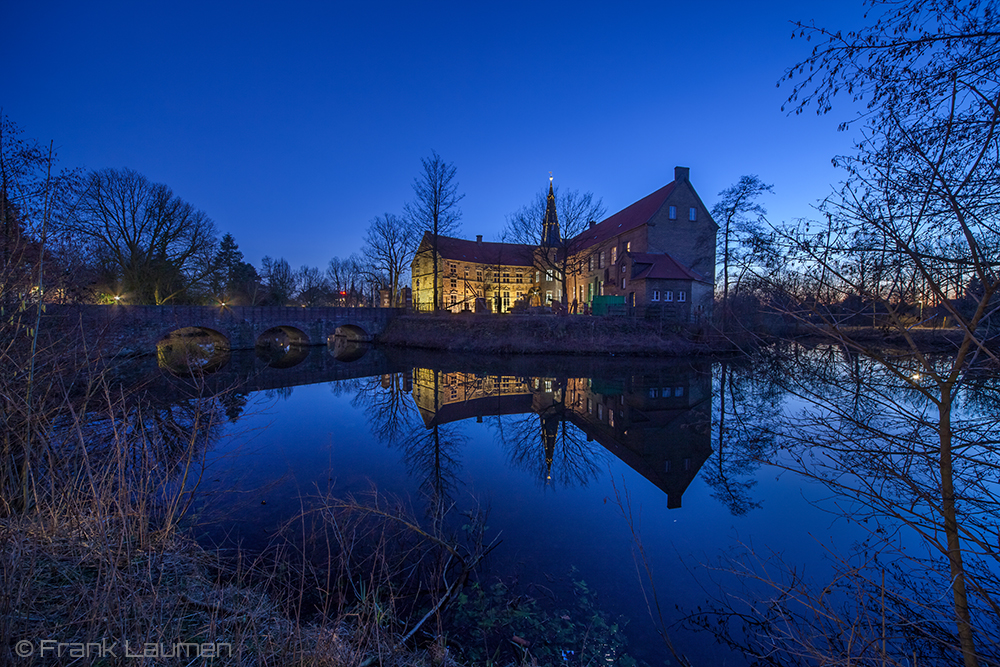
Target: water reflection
559	428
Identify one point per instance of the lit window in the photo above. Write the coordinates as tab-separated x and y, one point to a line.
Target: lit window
611	418
656	295
672	213
600	260
590	262
692	214
668	296
614	254
682	296
623	283
628	246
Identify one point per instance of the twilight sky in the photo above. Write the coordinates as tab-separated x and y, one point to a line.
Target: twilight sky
293	124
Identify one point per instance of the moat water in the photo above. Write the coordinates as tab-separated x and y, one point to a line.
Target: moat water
648	484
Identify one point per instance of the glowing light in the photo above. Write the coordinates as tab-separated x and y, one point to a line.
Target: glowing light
915	376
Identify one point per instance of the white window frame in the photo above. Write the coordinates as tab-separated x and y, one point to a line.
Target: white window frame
682	296
656	295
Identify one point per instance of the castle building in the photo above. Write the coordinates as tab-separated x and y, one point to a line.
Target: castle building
655	257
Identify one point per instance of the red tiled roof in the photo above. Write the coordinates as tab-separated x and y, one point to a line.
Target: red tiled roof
663	267
628	218
486	252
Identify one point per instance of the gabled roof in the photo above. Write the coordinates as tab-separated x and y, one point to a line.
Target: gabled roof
628	218
482	252
664	267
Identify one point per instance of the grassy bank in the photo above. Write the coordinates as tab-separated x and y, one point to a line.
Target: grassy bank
546	334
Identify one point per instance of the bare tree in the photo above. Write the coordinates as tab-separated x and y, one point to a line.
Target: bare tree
435	209
389	247
741	219
575	211
312	286
155	246
917	217
280	280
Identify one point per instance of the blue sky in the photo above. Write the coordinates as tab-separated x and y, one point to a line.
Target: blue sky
293	125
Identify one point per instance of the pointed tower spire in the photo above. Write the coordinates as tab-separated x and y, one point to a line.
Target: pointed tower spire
550	223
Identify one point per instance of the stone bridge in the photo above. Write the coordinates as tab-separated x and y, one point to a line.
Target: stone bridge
136	330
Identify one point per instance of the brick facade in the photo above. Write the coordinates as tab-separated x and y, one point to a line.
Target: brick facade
657	254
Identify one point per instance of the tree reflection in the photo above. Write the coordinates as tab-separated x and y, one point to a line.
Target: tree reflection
430	451
870	432
747	406
546	444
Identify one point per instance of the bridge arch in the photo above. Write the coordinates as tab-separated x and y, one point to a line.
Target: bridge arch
351	332
193	350
282	346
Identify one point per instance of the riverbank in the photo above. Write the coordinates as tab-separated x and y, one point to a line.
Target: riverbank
549	334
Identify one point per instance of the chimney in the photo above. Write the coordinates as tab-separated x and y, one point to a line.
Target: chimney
592	223
479	238
681	174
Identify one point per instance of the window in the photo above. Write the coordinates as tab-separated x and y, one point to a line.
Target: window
600	260
692	214
654	392
454	298
590	262
668	296
656	295
600	412
590	406
549	275
611	418
538	277
672	213
679	391
466	273
454	268
614	254
681	296
623	267
628	246
623	283
506	299
519	277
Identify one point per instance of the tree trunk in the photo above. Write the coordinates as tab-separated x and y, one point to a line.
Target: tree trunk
962	614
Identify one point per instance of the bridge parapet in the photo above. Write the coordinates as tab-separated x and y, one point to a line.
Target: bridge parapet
135	330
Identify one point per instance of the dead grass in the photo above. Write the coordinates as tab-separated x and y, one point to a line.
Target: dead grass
548	334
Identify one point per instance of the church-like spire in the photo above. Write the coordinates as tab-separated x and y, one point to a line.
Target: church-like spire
550	223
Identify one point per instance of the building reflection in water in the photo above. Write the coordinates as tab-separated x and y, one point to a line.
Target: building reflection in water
657	422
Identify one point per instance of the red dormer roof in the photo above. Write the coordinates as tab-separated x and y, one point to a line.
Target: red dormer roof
483	252
664	267
628	218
